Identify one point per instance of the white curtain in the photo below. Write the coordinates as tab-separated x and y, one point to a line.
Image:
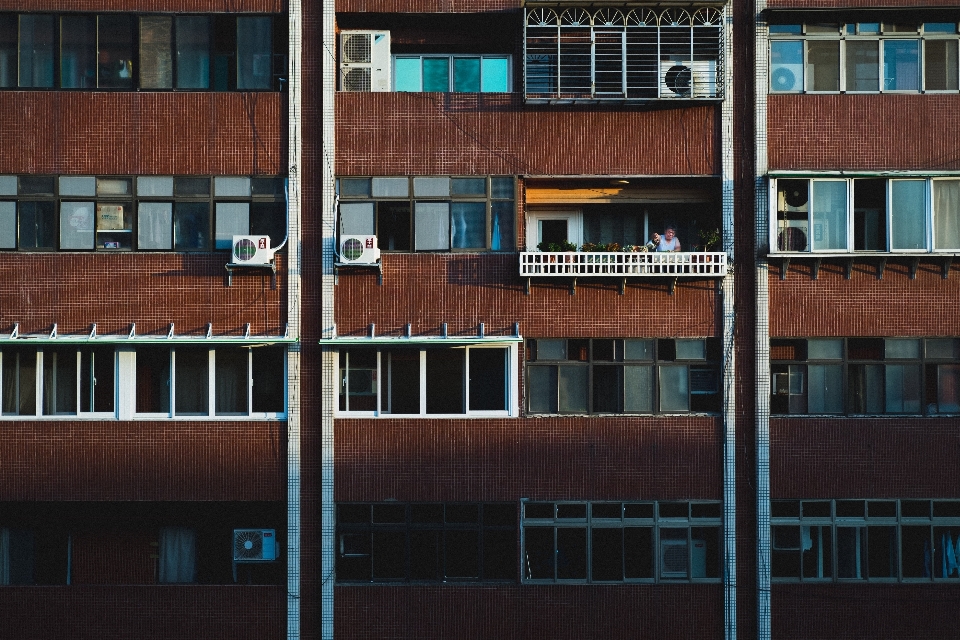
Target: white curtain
178	555
946	214
4	556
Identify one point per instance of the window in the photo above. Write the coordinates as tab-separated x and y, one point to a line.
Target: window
865	57
129	52
865	376
426	542
452	73
623	54
632	375
867	214
475	380
144	213
855	540
154	381
424	213
620	541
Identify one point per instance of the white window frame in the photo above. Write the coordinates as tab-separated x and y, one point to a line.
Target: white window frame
573	217
511	392
39	390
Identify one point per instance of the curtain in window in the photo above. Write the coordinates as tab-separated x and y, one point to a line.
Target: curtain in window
231	381
4	556
178	555
946	214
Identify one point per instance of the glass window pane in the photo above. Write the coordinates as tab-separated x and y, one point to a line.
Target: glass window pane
551	349
233	218
940	65
115	226
156	52
866	28
823	65
573	389
18	396
229	186
269	390
607	561
825	349
191	381
571	553
231	381
191	226
353	187
946	214
466	74
59	381
902	388
863	65
270	219
393	225
908	213
8	50
155	186
78	52
786	65
403	380
900	348
191	186
502	233
825	388
539	552
542	389
254	52
901	65
431	187
8	185
469	223
829	215
153	380
494	75
695	349
431	226
113	186
468	187
406	74
8	225
37	225
78	186
637	389
116	43
436	74
155	225
76	225
393	188
193	52
445	380
637	349
948	388
488	379
674	392
607	389
37	46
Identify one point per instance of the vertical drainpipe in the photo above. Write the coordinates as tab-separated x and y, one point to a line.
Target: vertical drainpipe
729	368
762	347
328	390
295	28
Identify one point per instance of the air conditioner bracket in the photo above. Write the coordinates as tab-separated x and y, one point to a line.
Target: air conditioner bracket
272	267
340	265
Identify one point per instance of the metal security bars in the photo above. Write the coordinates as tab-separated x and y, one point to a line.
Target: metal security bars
614	53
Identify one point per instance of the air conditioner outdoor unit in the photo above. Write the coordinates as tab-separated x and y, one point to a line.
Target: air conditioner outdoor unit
674	560
792	200
688	79
786	77
793	235
360	250
255	545
365	61
251	251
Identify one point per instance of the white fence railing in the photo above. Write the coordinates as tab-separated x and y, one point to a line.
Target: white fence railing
608	263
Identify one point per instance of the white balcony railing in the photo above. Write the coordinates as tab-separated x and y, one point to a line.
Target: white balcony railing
622	264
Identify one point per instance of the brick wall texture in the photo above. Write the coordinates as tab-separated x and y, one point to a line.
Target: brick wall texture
165	6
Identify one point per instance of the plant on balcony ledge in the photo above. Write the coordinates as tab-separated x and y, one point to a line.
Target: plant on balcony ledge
708	238
556	246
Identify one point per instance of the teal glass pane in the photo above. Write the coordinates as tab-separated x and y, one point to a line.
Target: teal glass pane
901	65
908	213
493	75
786	28
466	75
406	74
829	215
939	27
436	74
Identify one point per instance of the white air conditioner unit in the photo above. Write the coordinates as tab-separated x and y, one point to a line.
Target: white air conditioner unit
786	77
255	545
674	559
360	250
793	235
686	79
251	251
792	200
365	61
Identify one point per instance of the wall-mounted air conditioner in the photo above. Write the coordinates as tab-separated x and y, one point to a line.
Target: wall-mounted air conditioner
359	250
251	251
786	77
793	235
255	545
674	559
364	61
688	79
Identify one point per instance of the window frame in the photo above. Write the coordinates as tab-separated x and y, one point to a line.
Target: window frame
451	67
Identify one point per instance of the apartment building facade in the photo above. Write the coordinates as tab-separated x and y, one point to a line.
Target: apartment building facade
461	392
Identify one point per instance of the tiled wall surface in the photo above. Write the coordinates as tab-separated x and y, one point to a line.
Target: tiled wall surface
62	132
425	6
561	612
545	458
167	612
170	460
149	289
264	6
867	132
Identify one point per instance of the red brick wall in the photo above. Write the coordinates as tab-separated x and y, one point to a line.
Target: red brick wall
864	458
824	132
463	290
169	460
545	458
477	134
425	6
230	6
143	612
558	612
142	133
863	305
150	289
862	611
